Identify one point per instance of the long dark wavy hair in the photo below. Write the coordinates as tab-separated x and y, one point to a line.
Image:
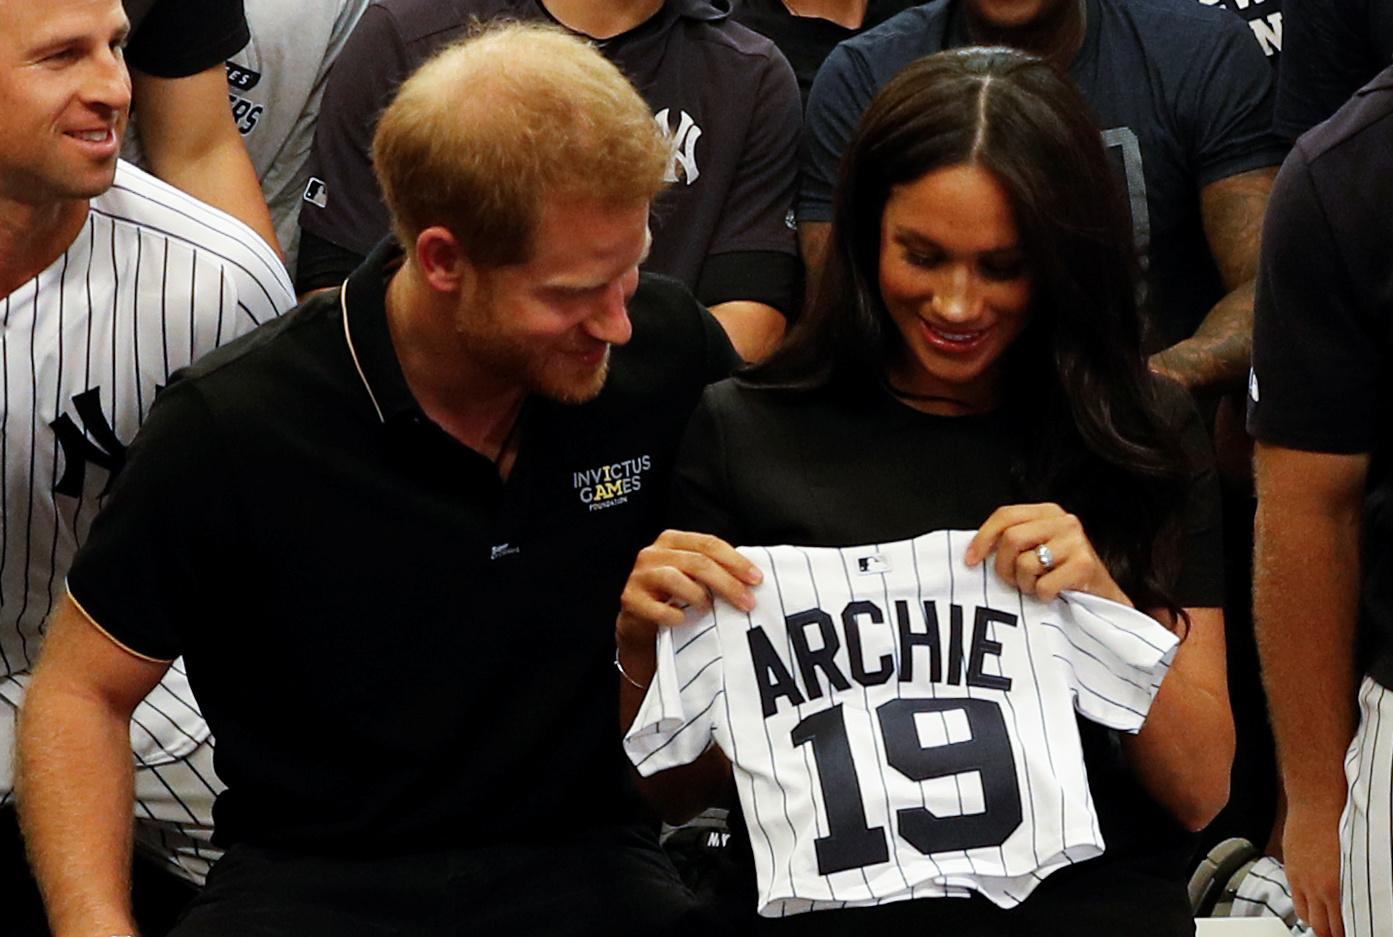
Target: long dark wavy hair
1077	386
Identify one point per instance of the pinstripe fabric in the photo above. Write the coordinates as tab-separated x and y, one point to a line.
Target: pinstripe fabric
849	739
1366	828
153	280
1265	892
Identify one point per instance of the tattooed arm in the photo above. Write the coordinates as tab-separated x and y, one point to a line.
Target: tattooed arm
1216	357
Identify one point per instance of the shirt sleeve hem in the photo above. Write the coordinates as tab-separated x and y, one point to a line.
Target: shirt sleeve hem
1307	441
77	603
1267	158
192	62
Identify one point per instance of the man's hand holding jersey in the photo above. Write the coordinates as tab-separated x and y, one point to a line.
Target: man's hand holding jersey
679	570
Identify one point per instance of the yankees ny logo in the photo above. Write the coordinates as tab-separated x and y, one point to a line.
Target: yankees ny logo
103	449
684	140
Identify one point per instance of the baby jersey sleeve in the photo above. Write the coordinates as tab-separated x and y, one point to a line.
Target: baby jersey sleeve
1115	658
676	722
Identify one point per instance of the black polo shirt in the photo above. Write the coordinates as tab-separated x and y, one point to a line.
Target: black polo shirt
1323	331
724	94
395	649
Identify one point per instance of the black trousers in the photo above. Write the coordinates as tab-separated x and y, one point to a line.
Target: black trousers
157	895
613	883
21	909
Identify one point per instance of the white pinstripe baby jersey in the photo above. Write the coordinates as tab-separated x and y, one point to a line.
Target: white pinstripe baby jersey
152	281
901	726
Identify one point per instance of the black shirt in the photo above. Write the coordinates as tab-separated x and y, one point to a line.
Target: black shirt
1333	47
394	649
724	94
1323	333
178	38
807	40
1264	18
762	467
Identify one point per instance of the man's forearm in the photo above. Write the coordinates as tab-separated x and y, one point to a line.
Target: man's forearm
190	140
814	241
75	795
224	178
1306	590
1216	358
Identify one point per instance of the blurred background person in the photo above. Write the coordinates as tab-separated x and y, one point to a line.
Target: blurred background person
724	95
183	131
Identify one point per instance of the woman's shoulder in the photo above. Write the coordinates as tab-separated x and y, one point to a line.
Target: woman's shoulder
739	400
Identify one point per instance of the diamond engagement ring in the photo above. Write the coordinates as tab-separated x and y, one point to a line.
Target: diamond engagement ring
1046	558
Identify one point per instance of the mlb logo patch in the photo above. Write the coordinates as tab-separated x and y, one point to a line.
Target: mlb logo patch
316	193
875	563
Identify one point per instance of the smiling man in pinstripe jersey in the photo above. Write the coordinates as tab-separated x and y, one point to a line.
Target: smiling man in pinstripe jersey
109	280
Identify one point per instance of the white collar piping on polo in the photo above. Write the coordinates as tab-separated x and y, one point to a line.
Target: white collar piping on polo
353	352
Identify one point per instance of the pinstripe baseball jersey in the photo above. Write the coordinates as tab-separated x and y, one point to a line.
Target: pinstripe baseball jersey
901	726
153	280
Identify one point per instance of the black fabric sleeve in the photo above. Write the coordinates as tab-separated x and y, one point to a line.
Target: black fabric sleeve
1316	350
323	263
758	205
149	564
178	38
769	277
1229	97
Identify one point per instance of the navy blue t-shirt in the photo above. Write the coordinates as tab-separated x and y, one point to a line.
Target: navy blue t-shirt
1264	19
1336	46
1184	96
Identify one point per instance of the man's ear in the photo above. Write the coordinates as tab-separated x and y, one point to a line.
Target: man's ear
442	261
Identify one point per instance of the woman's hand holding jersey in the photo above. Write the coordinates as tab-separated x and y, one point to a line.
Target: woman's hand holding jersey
1043	550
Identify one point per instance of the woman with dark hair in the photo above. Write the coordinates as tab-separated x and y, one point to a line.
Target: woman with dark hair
972	361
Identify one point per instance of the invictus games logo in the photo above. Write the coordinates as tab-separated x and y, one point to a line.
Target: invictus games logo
608	486
684	139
